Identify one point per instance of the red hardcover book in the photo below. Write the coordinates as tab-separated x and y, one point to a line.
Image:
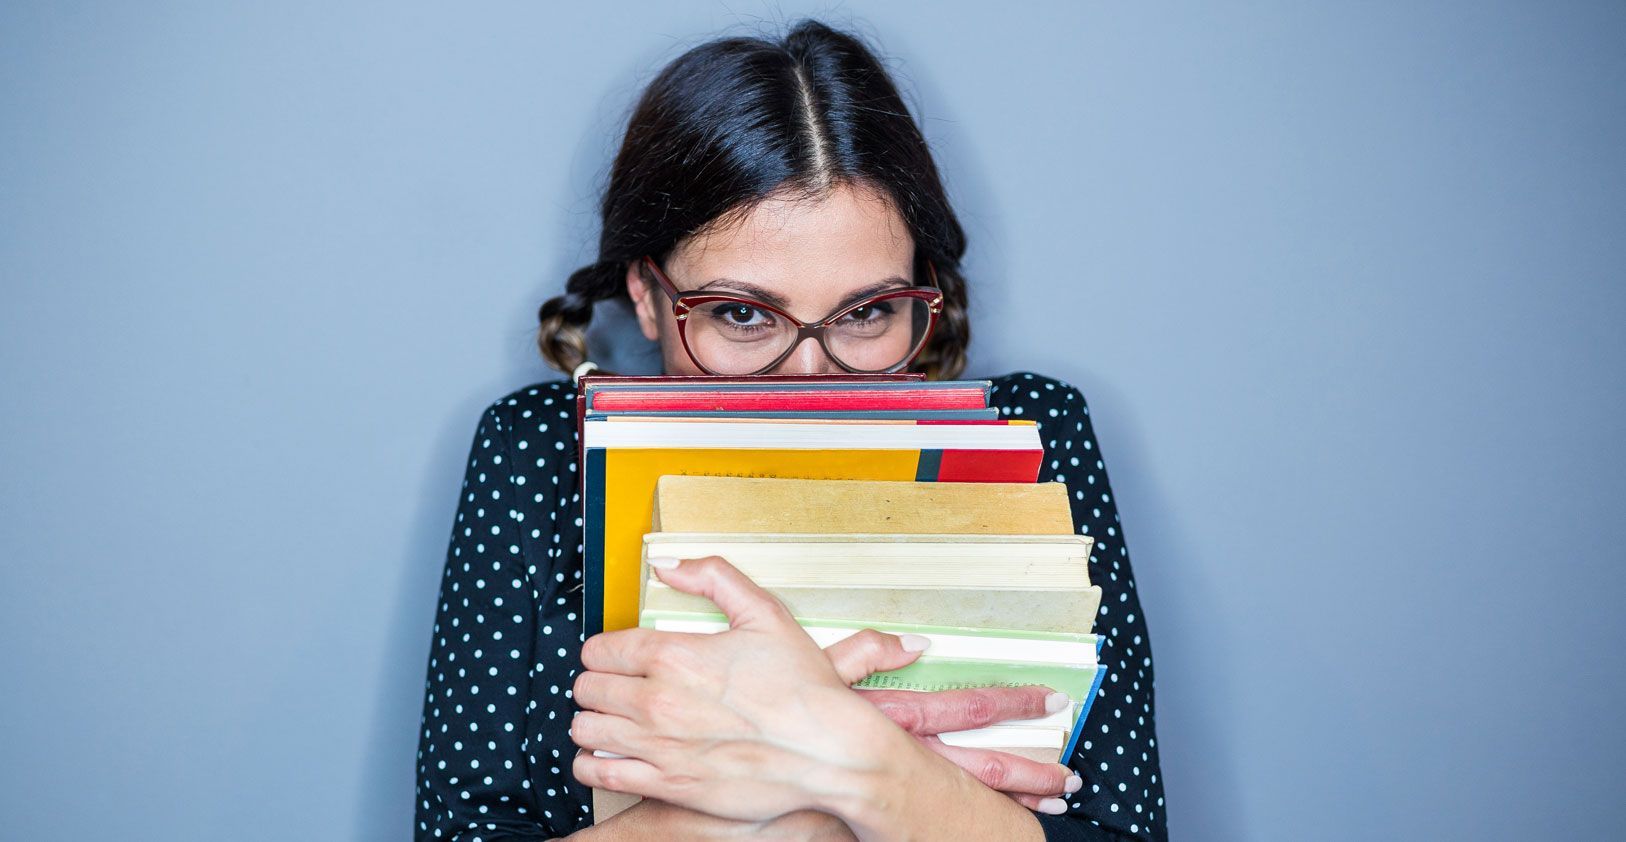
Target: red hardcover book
830	400
675	384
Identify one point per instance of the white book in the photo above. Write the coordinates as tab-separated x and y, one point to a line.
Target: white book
999	736
825	436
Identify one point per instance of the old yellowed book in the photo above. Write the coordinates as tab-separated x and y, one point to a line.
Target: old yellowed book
607	803
1022	610
930	562
754	504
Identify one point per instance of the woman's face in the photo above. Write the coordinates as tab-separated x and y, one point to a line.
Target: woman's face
809	256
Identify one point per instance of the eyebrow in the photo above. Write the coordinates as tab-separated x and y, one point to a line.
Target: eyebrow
768	296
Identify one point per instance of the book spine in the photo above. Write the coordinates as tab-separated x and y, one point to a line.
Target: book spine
987	465
947	642
1083	713
593	542
826	400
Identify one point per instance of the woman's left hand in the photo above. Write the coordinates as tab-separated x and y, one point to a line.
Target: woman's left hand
751	723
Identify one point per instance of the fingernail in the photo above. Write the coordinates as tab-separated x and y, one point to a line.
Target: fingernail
613	756
1053	806
1074	784
914	642
1055	702
663	562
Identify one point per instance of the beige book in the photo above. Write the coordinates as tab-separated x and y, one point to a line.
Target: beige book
755	504
1019	610
607	803
931	562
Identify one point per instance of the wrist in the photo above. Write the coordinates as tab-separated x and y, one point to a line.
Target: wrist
883	790
911	793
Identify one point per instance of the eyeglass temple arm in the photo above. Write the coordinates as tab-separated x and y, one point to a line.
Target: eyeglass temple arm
666	284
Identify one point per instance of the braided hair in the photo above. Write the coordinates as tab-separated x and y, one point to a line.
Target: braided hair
738	120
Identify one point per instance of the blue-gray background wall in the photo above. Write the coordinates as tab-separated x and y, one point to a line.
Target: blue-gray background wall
1344	287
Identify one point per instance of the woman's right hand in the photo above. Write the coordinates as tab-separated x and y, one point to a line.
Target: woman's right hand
1037	786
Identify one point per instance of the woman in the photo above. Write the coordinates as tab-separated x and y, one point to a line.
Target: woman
791	174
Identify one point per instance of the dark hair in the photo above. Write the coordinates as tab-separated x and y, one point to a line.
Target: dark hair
737	120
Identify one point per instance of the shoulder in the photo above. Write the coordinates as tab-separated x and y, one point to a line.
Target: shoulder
545	407
1055	405
1035	396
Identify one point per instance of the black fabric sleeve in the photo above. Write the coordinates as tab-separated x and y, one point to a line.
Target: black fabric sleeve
473	778
1116	754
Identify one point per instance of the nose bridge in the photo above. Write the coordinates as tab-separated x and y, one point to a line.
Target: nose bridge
808	357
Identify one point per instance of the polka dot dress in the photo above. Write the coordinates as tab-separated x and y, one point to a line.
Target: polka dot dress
493	752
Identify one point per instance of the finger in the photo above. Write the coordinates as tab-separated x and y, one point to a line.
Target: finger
870	651
962	710
618	774
607	692
1051	805
745	604
625	652
602	732
1009	772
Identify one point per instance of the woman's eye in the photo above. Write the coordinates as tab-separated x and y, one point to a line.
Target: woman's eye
870	312
741	315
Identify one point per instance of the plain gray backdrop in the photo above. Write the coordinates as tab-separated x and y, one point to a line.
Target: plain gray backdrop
1343	284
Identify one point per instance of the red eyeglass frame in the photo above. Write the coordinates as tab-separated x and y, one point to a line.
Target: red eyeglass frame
684	303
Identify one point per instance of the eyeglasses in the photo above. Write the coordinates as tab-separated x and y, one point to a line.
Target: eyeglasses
734	335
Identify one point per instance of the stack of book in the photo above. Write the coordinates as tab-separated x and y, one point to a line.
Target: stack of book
885	502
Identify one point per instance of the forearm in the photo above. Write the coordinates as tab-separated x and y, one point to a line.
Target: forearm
915	794
657	821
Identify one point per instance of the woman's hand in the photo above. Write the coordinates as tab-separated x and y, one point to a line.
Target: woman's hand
751	724
1033	784
757	722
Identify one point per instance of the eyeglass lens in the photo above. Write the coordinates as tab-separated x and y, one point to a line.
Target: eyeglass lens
732	337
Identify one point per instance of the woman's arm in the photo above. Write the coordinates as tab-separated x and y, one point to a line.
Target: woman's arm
757	722
473	770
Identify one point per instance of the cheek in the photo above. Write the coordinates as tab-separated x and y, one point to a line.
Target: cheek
674	359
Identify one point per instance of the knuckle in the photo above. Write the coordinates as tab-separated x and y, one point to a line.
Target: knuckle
581	729
870	640
992	770
655	645
582	768
677	654
590	651
662	710
980	707
905	714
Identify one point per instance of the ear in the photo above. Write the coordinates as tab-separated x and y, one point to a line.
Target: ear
645	301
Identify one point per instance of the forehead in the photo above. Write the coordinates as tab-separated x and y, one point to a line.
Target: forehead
805	248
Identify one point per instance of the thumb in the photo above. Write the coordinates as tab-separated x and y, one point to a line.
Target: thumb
868	651
744	603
